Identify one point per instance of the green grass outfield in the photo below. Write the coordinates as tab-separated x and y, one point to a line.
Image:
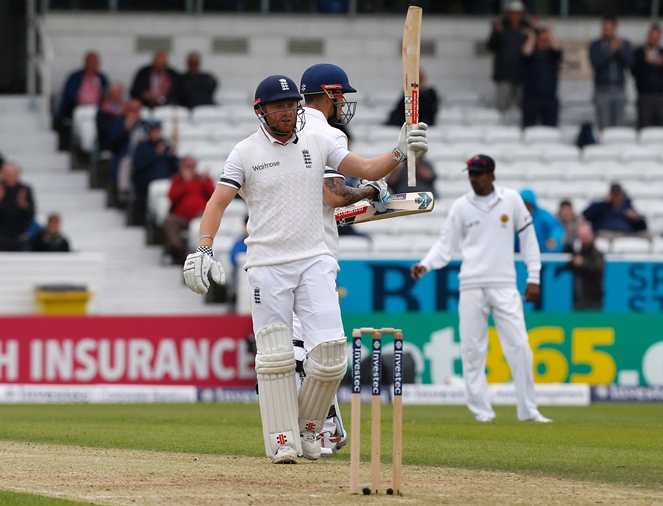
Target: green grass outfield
603	443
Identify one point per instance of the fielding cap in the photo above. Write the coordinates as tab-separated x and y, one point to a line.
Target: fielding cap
481	163
275	88
325	77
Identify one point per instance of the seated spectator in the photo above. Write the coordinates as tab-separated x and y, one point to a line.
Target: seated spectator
50	238
154	158
542	55
549	231
189	193
426	177
567	217
615	216
196	87
17	210
157	83
648	73
587	264
83	87
429	103
111	110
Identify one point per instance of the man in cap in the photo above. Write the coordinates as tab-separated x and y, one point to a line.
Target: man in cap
483	223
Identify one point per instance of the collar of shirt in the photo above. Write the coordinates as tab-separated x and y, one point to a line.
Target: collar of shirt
487	202
309	111
274	140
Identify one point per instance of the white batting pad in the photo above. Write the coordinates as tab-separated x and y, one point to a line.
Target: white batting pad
277	391
325	367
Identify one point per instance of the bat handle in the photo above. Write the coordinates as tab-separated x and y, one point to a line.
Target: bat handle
411	165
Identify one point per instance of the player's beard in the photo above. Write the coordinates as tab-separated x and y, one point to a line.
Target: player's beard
282	125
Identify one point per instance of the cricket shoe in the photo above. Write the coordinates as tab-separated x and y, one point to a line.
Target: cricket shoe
330	443
484	418
286	454
311	445
539	418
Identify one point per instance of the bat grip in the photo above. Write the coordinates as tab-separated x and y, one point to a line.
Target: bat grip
411	165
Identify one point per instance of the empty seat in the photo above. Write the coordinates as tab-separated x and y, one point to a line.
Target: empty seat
542	134
619	135
171	113
601	152
450	116
503	135
464	134
658	245
651	135
603	244
482	116
210	114
354	244
560	152
465	98
517	153
631	245
639	154
158	203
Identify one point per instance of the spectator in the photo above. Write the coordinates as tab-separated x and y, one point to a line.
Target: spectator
610	56
86	86
154	158
111	111
157	83
50	238
429	102
542	55
189	193
549	231
17	210
506	42
123	137
648	73
196	87
426	177
615	216
587	264
567	217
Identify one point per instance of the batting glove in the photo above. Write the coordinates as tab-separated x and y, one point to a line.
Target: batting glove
197	266
415	140
381	197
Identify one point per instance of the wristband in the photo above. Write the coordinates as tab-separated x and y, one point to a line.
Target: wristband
206	236
206	250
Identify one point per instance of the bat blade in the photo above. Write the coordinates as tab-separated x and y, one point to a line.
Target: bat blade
399	204
411	51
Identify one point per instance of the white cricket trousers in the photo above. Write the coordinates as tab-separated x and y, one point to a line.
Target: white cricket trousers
307	287
505	304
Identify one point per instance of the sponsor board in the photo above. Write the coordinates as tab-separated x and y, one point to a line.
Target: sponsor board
24	394
626	393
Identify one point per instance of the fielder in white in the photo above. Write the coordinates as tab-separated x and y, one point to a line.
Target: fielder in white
483	223
279	171
324	86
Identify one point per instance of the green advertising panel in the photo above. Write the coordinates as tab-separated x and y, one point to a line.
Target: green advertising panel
593	348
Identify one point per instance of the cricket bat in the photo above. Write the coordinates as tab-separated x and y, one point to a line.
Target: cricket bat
399	204
411	50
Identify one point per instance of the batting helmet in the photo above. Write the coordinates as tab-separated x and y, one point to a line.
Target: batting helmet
275	88
323	77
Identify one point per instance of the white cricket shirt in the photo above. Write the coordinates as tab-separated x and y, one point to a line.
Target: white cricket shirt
484	229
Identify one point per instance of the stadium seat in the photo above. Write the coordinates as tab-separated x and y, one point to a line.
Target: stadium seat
171	113
450	116
619	135
210	114
560	152
542	134
482	116
601	152
368	116
354	244
502	135
522	152
459	97
658	245
631	245
464	134
640	154
603	244
651	135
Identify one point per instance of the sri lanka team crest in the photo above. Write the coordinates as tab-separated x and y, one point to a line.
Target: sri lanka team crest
504	219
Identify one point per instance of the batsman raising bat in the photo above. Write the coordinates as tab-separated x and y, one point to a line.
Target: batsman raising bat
278	170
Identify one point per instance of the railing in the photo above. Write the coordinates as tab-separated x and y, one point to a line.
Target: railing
40	58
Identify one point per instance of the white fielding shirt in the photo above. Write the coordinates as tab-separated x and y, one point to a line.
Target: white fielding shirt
484	228
282	186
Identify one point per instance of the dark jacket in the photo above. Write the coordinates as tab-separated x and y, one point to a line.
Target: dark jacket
507	46
429	103
48	243
540	73
69	98
604	216
648	77
14	220
610	68
141	83
588	279
150	166
197	89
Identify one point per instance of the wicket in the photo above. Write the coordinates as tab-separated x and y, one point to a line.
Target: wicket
376	406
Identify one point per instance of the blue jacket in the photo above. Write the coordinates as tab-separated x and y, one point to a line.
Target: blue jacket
610	68
605	216
69	97
546	225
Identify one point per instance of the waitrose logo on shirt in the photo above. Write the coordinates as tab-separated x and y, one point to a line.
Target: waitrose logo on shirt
265	165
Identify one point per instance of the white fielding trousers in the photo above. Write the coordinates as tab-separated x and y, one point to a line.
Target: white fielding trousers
505	304
307	287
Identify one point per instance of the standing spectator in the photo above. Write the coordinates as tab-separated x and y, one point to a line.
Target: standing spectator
17	210
587	264
610	56
549	231
157	83
429	103
567	217
426	177
50	239
483	223
648	73
196	87
506	42
188	194
542	55
615	216
86	86
154	158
